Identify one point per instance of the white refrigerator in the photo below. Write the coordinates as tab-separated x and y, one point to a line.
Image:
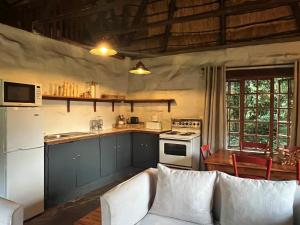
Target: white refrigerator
22	158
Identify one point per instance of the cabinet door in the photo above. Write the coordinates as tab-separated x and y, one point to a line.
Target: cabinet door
108	148
61	171
145	150
88	161
123	151
152	145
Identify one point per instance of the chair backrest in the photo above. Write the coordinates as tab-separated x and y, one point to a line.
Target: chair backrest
244	145
205	151
266	162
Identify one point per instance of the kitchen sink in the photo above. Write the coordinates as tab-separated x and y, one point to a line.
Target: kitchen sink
65	135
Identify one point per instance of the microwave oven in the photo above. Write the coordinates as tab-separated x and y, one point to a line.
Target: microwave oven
20	94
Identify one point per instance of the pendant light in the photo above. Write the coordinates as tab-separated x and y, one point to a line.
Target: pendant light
104	49
140	69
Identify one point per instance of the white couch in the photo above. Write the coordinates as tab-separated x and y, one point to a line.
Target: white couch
11	213
129	203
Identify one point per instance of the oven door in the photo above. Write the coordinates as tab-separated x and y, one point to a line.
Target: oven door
175	152
18	94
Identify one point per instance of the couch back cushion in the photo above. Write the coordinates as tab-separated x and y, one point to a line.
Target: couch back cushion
253	202
184	195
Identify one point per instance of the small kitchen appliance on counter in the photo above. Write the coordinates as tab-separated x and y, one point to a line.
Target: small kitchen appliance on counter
96	125
154	124
134	120
180	147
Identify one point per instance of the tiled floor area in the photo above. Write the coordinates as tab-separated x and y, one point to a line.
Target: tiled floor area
68	213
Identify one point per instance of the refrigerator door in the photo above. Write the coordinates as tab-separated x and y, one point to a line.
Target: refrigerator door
24	128
25	180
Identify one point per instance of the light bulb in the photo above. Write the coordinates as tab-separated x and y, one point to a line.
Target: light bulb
103	50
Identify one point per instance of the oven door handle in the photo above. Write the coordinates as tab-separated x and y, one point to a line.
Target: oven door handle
167	139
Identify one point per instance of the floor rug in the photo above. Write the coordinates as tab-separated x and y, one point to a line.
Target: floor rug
93	218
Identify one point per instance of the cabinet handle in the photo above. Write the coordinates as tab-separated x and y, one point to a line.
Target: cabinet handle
142	145
78	156
146	146
73	158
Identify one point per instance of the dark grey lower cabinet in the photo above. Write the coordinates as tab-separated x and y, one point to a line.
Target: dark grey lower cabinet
61	171
145	149
115	153
88	161
123	151
69	166
74	167
108	155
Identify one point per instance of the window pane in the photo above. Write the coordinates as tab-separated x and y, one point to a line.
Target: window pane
250	138
234	140
263	128
283	115
261	139
276	98
251	86
263	100
282	129
263	115
233	100
234	114
250	100
234	127
282	142
249	128
264	86
233	87
250	114
284	87
283	101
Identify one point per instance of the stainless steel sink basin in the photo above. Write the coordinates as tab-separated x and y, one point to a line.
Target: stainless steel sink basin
65	135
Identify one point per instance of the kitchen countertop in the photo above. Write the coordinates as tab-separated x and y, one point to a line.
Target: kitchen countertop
62	140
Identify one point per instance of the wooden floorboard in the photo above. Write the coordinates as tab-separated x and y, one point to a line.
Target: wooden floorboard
93	218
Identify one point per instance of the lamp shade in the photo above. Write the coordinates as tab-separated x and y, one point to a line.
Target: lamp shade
140	69
104	49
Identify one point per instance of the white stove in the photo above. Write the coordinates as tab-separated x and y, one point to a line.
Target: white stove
180	147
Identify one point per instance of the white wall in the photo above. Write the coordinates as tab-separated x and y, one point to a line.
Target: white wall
180	77
29	57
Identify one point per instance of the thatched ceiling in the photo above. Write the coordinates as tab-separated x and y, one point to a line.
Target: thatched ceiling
158	26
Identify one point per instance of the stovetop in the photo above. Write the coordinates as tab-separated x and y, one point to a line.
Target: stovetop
183	129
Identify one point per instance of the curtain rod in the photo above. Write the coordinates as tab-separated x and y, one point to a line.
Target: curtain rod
289	65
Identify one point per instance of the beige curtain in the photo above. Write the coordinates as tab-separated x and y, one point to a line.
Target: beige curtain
295	132
214	122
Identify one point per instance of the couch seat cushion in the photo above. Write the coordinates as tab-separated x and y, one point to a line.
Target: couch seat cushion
184	195
152	219
256	202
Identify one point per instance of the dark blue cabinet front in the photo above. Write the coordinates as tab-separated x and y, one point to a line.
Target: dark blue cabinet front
108	155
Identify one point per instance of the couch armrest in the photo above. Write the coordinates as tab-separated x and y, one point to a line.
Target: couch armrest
130	201
10	213
297	206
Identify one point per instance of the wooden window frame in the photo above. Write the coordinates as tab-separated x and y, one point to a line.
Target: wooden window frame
239	76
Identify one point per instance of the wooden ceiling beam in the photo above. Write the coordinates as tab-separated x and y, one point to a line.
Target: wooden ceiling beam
165	41
227	11
222	24
296	11
137	20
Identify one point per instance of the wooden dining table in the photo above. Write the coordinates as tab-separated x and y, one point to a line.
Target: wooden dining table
221	161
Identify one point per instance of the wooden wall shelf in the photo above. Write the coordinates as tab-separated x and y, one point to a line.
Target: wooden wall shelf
133	101
112	101
77	99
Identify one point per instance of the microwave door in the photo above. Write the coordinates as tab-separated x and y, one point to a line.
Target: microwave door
23	129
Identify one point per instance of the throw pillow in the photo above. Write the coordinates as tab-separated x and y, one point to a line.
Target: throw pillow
184	195
256	202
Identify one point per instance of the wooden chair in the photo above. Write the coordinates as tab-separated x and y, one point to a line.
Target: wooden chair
205	151
243	158
263	147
